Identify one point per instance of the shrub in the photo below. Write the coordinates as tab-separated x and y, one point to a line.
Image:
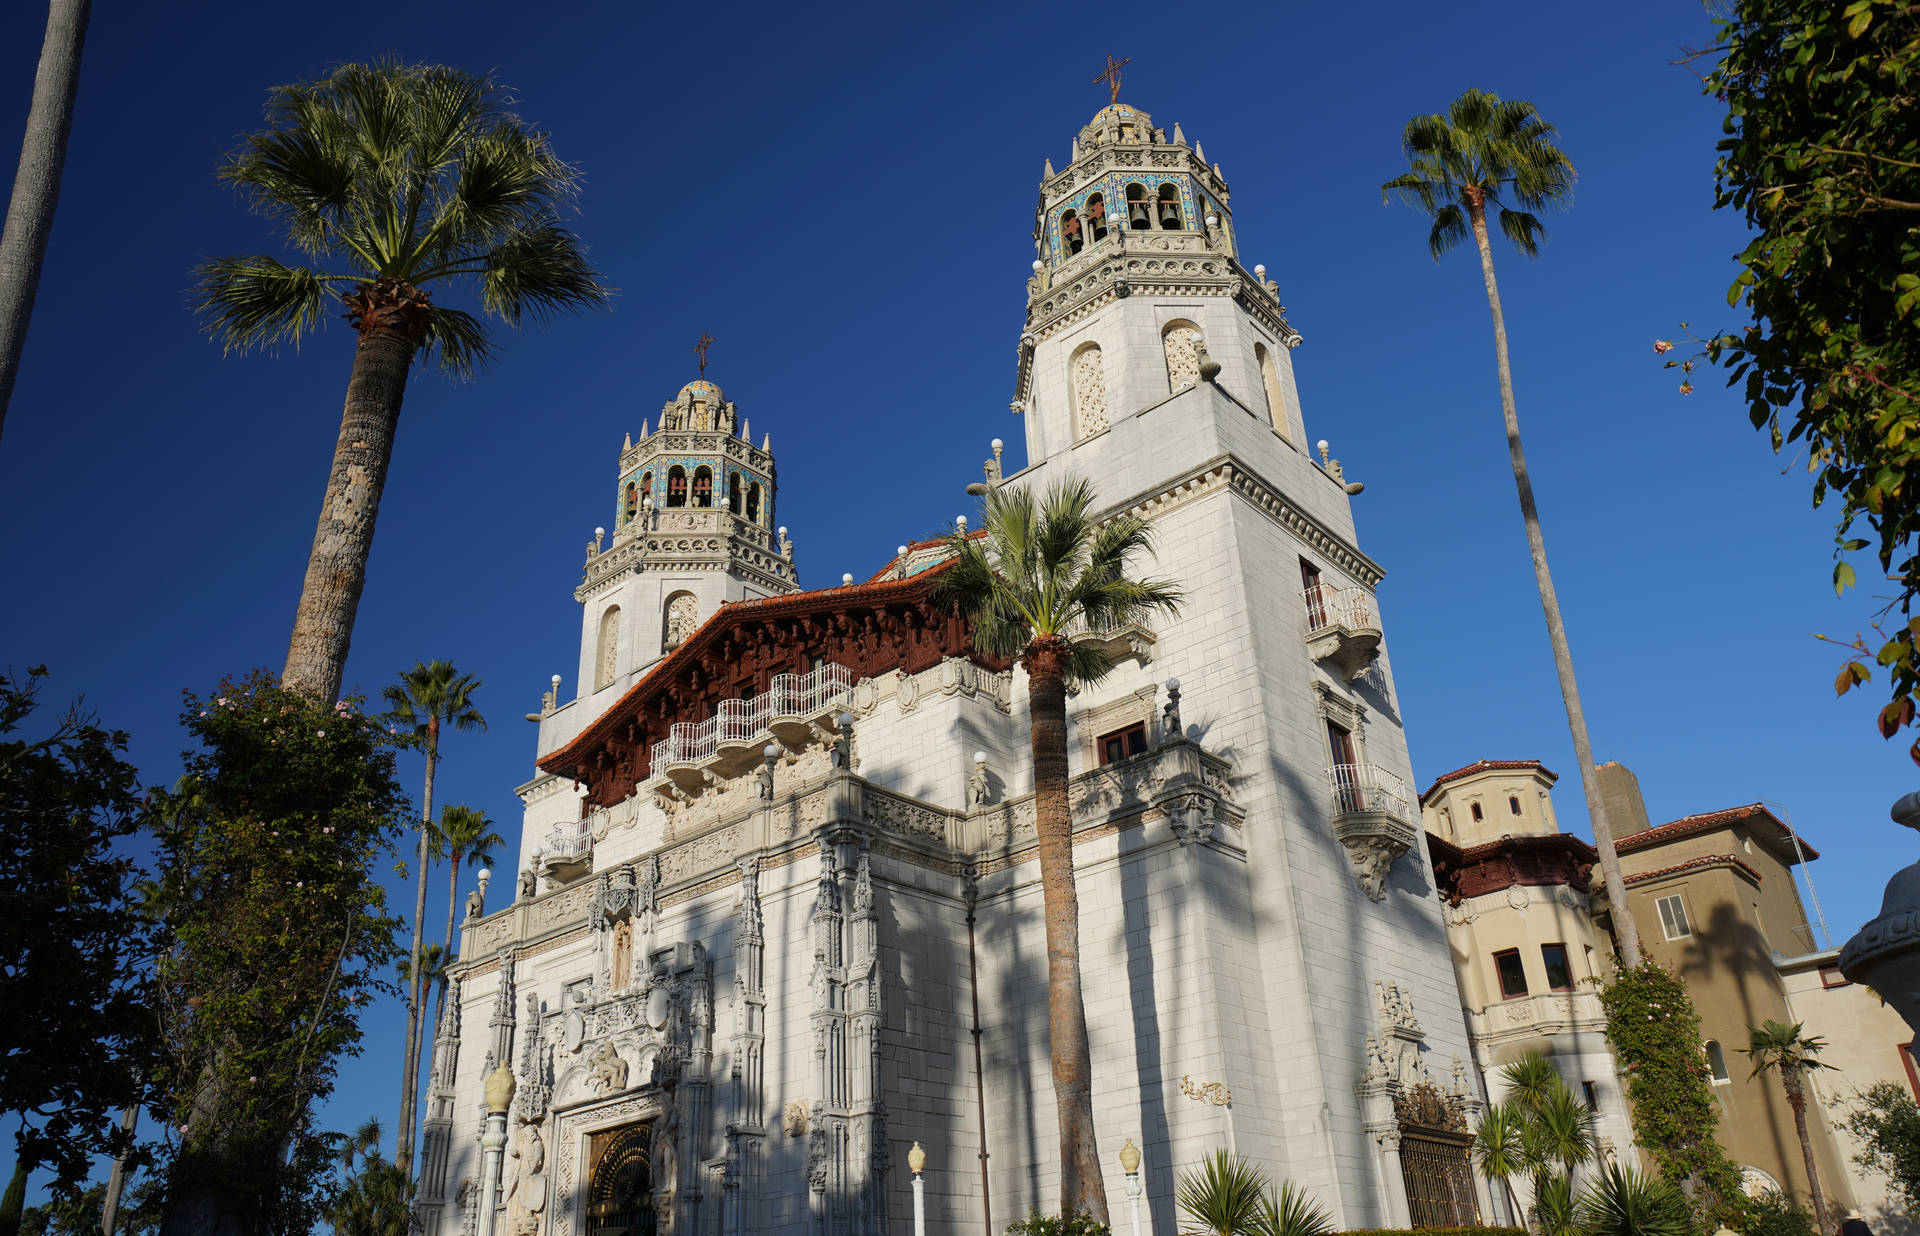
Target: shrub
1037	1224
1772	1214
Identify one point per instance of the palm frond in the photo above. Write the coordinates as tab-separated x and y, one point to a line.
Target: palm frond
461	341
1482	146
1449	229
1497	1145
1223	1196
1524	230
258	302
1291	1211
1623	1202
540	270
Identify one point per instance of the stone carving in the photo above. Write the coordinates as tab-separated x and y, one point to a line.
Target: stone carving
897	814
1372	859
1517	897
793	1118
683	618
609	657
1191	816
1089	393
1396	1008
608	1072
1215	1093
526	1194
977	784
1182	345
474	905
622	955
1423	1106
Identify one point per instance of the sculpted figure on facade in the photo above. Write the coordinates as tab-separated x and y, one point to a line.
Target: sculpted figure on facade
474	904
526	1194
529	884
622	955
608	1072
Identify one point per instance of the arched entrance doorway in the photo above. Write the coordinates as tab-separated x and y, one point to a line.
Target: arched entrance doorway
620	1188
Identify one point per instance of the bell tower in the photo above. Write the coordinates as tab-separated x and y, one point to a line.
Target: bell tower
694	528
1138	295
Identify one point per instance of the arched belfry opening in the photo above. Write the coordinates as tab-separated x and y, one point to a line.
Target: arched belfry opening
1169	209
703	486
676	486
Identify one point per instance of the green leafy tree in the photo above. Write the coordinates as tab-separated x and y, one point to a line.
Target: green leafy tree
76	1214
1773	1213
1885	1123
428	698
1822	159
75	1021
277	937
1623	1202
36	185
1461	166
395	181
1655	1034
1228	1196
1541	1132
1045	569
373	1198
1775	1047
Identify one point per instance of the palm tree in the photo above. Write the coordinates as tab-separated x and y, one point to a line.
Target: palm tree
462	832
1461	163
1783	1049
1625	1203
36	185
1541	1132
375	1200
1228	1196
396	178
1046	569
427	697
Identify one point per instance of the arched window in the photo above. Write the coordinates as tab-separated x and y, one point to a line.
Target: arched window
703	486
1097	216
1270	382
1089	392
608	654
1169	209
631	506
1717	1062
646	487
734	497
676	486
753	501
1182	343
683	617
1137	217
1070	233
1513	805
1477	815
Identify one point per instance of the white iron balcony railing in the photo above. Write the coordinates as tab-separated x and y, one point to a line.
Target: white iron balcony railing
1362	789
1328	606
569	841
739	722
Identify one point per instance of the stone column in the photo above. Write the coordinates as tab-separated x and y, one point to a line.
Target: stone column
500	1088
1394	1177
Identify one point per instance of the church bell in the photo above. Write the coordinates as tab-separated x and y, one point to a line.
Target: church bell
1169	215
1137	214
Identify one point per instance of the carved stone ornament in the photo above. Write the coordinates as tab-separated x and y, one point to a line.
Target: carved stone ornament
608	1071
793	1118
1423	1106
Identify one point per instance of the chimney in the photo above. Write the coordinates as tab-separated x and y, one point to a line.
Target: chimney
1620	791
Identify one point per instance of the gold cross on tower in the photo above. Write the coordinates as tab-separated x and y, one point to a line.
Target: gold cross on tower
1112	75
700	350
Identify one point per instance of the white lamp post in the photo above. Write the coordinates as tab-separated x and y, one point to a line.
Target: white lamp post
499	1098
486	878
917	1163
1130	1164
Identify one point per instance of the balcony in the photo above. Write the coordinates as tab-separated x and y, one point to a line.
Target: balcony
1342	627
730	741
1373	818
567	852
1549	1015
1119	640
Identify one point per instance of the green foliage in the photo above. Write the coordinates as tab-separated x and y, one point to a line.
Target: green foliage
78	1213
411	174
1822	158
74	1017
277	933
1037	1224
1435	1231
1656	1037
1777	1046
1772	1214
464	832
1228	1196
1046	568
1463	162
1623	1202
1885	1121
371	1197
1542	1131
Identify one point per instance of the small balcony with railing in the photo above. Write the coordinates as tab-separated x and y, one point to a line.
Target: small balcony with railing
1119	640
567	852
1343	627
1374	818
729	742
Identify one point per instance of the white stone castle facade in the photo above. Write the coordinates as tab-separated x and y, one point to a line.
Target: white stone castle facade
778	913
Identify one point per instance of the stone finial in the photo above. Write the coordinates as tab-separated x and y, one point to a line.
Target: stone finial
1179	138
643	429
499	1092
766	444
1047	172
628	444
746	429
1200	151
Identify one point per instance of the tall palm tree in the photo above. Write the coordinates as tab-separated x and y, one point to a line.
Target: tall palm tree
374	1200
1044	570
1779	1048
427	697
393	180
1461	164
462	832
36	184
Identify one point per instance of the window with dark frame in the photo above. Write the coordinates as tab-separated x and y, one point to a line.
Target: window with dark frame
1593	1095
1513	805
1513	974
1123	743
1478	815
1559	972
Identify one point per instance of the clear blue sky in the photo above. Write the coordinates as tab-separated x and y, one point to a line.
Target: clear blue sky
843	197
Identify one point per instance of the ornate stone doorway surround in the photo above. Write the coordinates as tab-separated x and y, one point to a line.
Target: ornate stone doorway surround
574	1128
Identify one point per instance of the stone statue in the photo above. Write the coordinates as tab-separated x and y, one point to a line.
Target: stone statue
526	1194
608	1073
622	954
474	904
793	1118
529	884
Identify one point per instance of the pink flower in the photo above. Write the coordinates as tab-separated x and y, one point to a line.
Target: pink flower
1662	346
1686	388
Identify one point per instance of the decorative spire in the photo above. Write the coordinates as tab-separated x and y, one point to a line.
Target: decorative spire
1047	172
746	430
766	444
628	444
1179	138
643	429
700	350
1200	151
1073	156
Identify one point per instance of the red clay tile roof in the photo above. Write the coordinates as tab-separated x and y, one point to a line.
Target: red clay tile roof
1705	860
913	547
1775	837
1481	766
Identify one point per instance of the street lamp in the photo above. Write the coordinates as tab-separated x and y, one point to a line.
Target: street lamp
917	1163
1130	1164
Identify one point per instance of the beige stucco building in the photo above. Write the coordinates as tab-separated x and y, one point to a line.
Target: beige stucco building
1521	925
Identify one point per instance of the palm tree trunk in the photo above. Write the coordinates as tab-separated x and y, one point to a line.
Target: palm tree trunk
1623	924
403	1144
390	320
36	185
1082	1188
1797	1099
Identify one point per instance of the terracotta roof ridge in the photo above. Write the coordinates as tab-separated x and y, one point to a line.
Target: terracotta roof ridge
1486	766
